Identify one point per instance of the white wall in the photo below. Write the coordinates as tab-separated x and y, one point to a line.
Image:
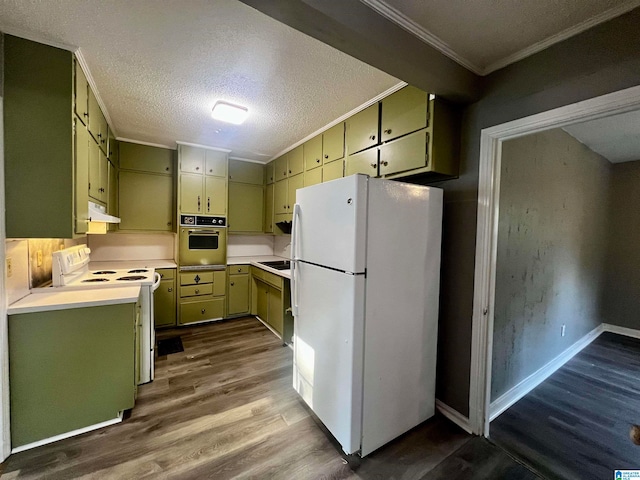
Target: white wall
132	246
249	245
282	246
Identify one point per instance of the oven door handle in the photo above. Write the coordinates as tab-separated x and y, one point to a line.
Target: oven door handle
156	283
204	232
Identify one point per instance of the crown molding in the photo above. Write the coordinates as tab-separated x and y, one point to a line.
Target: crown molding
148	144
366	104
247	160
427	37
218	149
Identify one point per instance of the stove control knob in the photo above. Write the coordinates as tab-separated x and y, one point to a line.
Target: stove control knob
220	221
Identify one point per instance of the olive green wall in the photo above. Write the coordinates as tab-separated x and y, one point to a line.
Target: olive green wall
601	60
621	302
552	238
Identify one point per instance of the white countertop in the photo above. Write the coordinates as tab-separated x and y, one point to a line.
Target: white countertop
124	264
254	260
47	299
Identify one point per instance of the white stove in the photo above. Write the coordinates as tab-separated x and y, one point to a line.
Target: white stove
70	271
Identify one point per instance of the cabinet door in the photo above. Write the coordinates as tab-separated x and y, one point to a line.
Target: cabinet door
201	311
215	163
364	162
191	159
216	195
94	171
333	170
406	153
164	304
104	178
268	208
280	196
144	158
275	309
294	184
82	144
112	202
362	129
191	198
94	115
81	104
246	210
333	143
281	167
238	300
270	173
312	177
403	112
262	309
246	172
104	133
145	201
312	152
296	161
220	282
112	149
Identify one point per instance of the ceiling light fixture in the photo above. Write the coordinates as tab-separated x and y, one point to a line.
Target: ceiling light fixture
228	112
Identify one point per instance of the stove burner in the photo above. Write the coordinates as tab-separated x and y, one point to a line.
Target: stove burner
130	278
139	270
104	272
91	280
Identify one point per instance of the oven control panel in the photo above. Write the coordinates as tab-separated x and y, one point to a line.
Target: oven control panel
202	221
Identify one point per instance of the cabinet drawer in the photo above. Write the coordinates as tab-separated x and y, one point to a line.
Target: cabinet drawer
269	277
201	311
166	273
196	278
194	290
406	153
236	269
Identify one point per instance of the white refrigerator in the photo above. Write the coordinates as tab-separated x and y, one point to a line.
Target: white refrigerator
365	286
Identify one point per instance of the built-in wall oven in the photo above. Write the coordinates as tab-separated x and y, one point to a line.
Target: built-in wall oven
202	242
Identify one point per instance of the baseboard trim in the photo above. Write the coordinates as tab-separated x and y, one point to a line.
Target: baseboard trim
453	415
73	433
627	332
510	397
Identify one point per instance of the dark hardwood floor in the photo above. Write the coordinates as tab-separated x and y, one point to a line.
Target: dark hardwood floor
225	408
575	425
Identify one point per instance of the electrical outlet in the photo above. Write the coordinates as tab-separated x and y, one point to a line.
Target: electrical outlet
9	267
563	330
39	256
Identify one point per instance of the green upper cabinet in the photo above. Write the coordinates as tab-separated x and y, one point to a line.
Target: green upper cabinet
312	152
246	204
406	153
145	201
191	159
82	144
215	163
332	171
98	174
362	129
403	112
281	165
216	195
268	208
280	197
112	201
295	183
39	141
295	159
144	158
97	124
81	91
333	143
113	150
313	177
246	172
191	197
364	162
270	172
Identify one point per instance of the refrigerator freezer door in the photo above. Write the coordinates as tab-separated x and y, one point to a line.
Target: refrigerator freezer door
331	223
328	349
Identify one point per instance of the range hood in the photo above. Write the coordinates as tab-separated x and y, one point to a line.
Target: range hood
98	218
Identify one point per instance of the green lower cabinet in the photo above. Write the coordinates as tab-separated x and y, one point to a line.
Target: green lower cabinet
202	296
262	300
70	369
246	208
275	309
271	302
164	299
145	201
201	310
238	290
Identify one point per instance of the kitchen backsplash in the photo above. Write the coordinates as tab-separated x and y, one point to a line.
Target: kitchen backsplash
132	246
249	245
40	259
282	246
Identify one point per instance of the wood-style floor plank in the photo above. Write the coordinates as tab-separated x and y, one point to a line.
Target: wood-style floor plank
225	408
575	425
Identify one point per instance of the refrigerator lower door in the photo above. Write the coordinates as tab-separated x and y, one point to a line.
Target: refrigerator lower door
328	349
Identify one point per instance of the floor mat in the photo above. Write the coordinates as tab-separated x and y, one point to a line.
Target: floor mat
169	346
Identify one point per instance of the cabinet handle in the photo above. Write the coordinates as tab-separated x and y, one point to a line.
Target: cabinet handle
385	163
197	168
85	114
289	172
198	202
232	284
317	160
372	137
387	131
203	310
239	270
326	156
208	204
170	289
168	224
197	291
230	176
166	169
211	170
162	275
374	165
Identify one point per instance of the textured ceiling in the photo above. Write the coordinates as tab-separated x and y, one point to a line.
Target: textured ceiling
160	65
616	138
484	35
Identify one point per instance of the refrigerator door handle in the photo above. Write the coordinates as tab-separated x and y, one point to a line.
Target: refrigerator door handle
294	260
